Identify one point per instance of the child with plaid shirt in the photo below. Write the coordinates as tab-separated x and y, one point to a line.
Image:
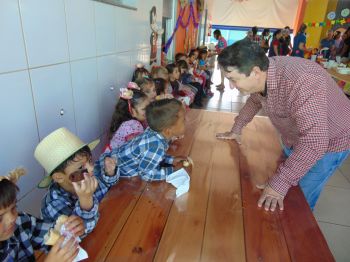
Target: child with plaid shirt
21	234
145	155
77	186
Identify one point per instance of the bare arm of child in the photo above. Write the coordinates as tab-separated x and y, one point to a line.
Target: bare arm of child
110	165
85	191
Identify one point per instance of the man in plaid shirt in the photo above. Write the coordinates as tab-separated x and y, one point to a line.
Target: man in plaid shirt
145	155
305	105
21	234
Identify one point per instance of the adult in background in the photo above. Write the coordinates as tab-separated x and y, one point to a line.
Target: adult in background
276	45
304	104
219	47
255	37
338	42
286	46
345	52
299	44
265	39
328	42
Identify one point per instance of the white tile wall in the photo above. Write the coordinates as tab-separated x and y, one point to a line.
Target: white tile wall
18	133
12	51
63	54
80	28
86	98
105	22
45	31
31	202
53	98
107	68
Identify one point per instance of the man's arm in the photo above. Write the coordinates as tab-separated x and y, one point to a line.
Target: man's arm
246	114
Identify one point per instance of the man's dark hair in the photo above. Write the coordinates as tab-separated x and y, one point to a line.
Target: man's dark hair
243	55
161	114
83	152
217	32
8	194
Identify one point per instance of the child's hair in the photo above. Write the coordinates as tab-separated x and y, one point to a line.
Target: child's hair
161	86
202	52
140	72
192	52
122	113
83	152
171	67
8	194
178	56
161	114
182	65
144	82
160	72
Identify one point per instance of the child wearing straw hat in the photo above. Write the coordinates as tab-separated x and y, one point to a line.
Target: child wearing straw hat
145	155
75	187
21	233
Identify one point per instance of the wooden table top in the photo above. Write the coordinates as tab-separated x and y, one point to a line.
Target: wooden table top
342	77
218	219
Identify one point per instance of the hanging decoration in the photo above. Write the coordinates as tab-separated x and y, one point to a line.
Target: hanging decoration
154	35
180	22
345	12
183	3
329	23
331	15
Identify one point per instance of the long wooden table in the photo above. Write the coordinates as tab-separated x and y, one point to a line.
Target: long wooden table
343	81
218	219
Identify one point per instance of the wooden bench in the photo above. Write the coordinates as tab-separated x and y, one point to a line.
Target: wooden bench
218	219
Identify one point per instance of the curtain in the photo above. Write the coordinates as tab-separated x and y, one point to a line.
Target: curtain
261	13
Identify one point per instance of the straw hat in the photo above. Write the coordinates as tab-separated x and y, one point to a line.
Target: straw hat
57	147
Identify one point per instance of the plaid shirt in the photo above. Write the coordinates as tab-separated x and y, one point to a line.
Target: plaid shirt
60	202
28	236
145	156
309	110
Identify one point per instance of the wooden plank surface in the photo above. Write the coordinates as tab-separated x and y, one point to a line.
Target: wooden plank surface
138	241
218	220
115	210
183	234
294	232
224	220
344	77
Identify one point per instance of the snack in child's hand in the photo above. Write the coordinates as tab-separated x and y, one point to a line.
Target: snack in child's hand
77	175
188	162
51	237
54	234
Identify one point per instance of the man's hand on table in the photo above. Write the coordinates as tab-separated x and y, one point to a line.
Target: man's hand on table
229	136
271	198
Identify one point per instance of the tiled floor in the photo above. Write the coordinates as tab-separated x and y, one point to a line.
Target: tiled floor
333	208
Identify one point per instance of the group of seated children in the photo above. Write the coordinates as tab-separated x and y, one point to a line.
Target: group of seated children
141	130
149	115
